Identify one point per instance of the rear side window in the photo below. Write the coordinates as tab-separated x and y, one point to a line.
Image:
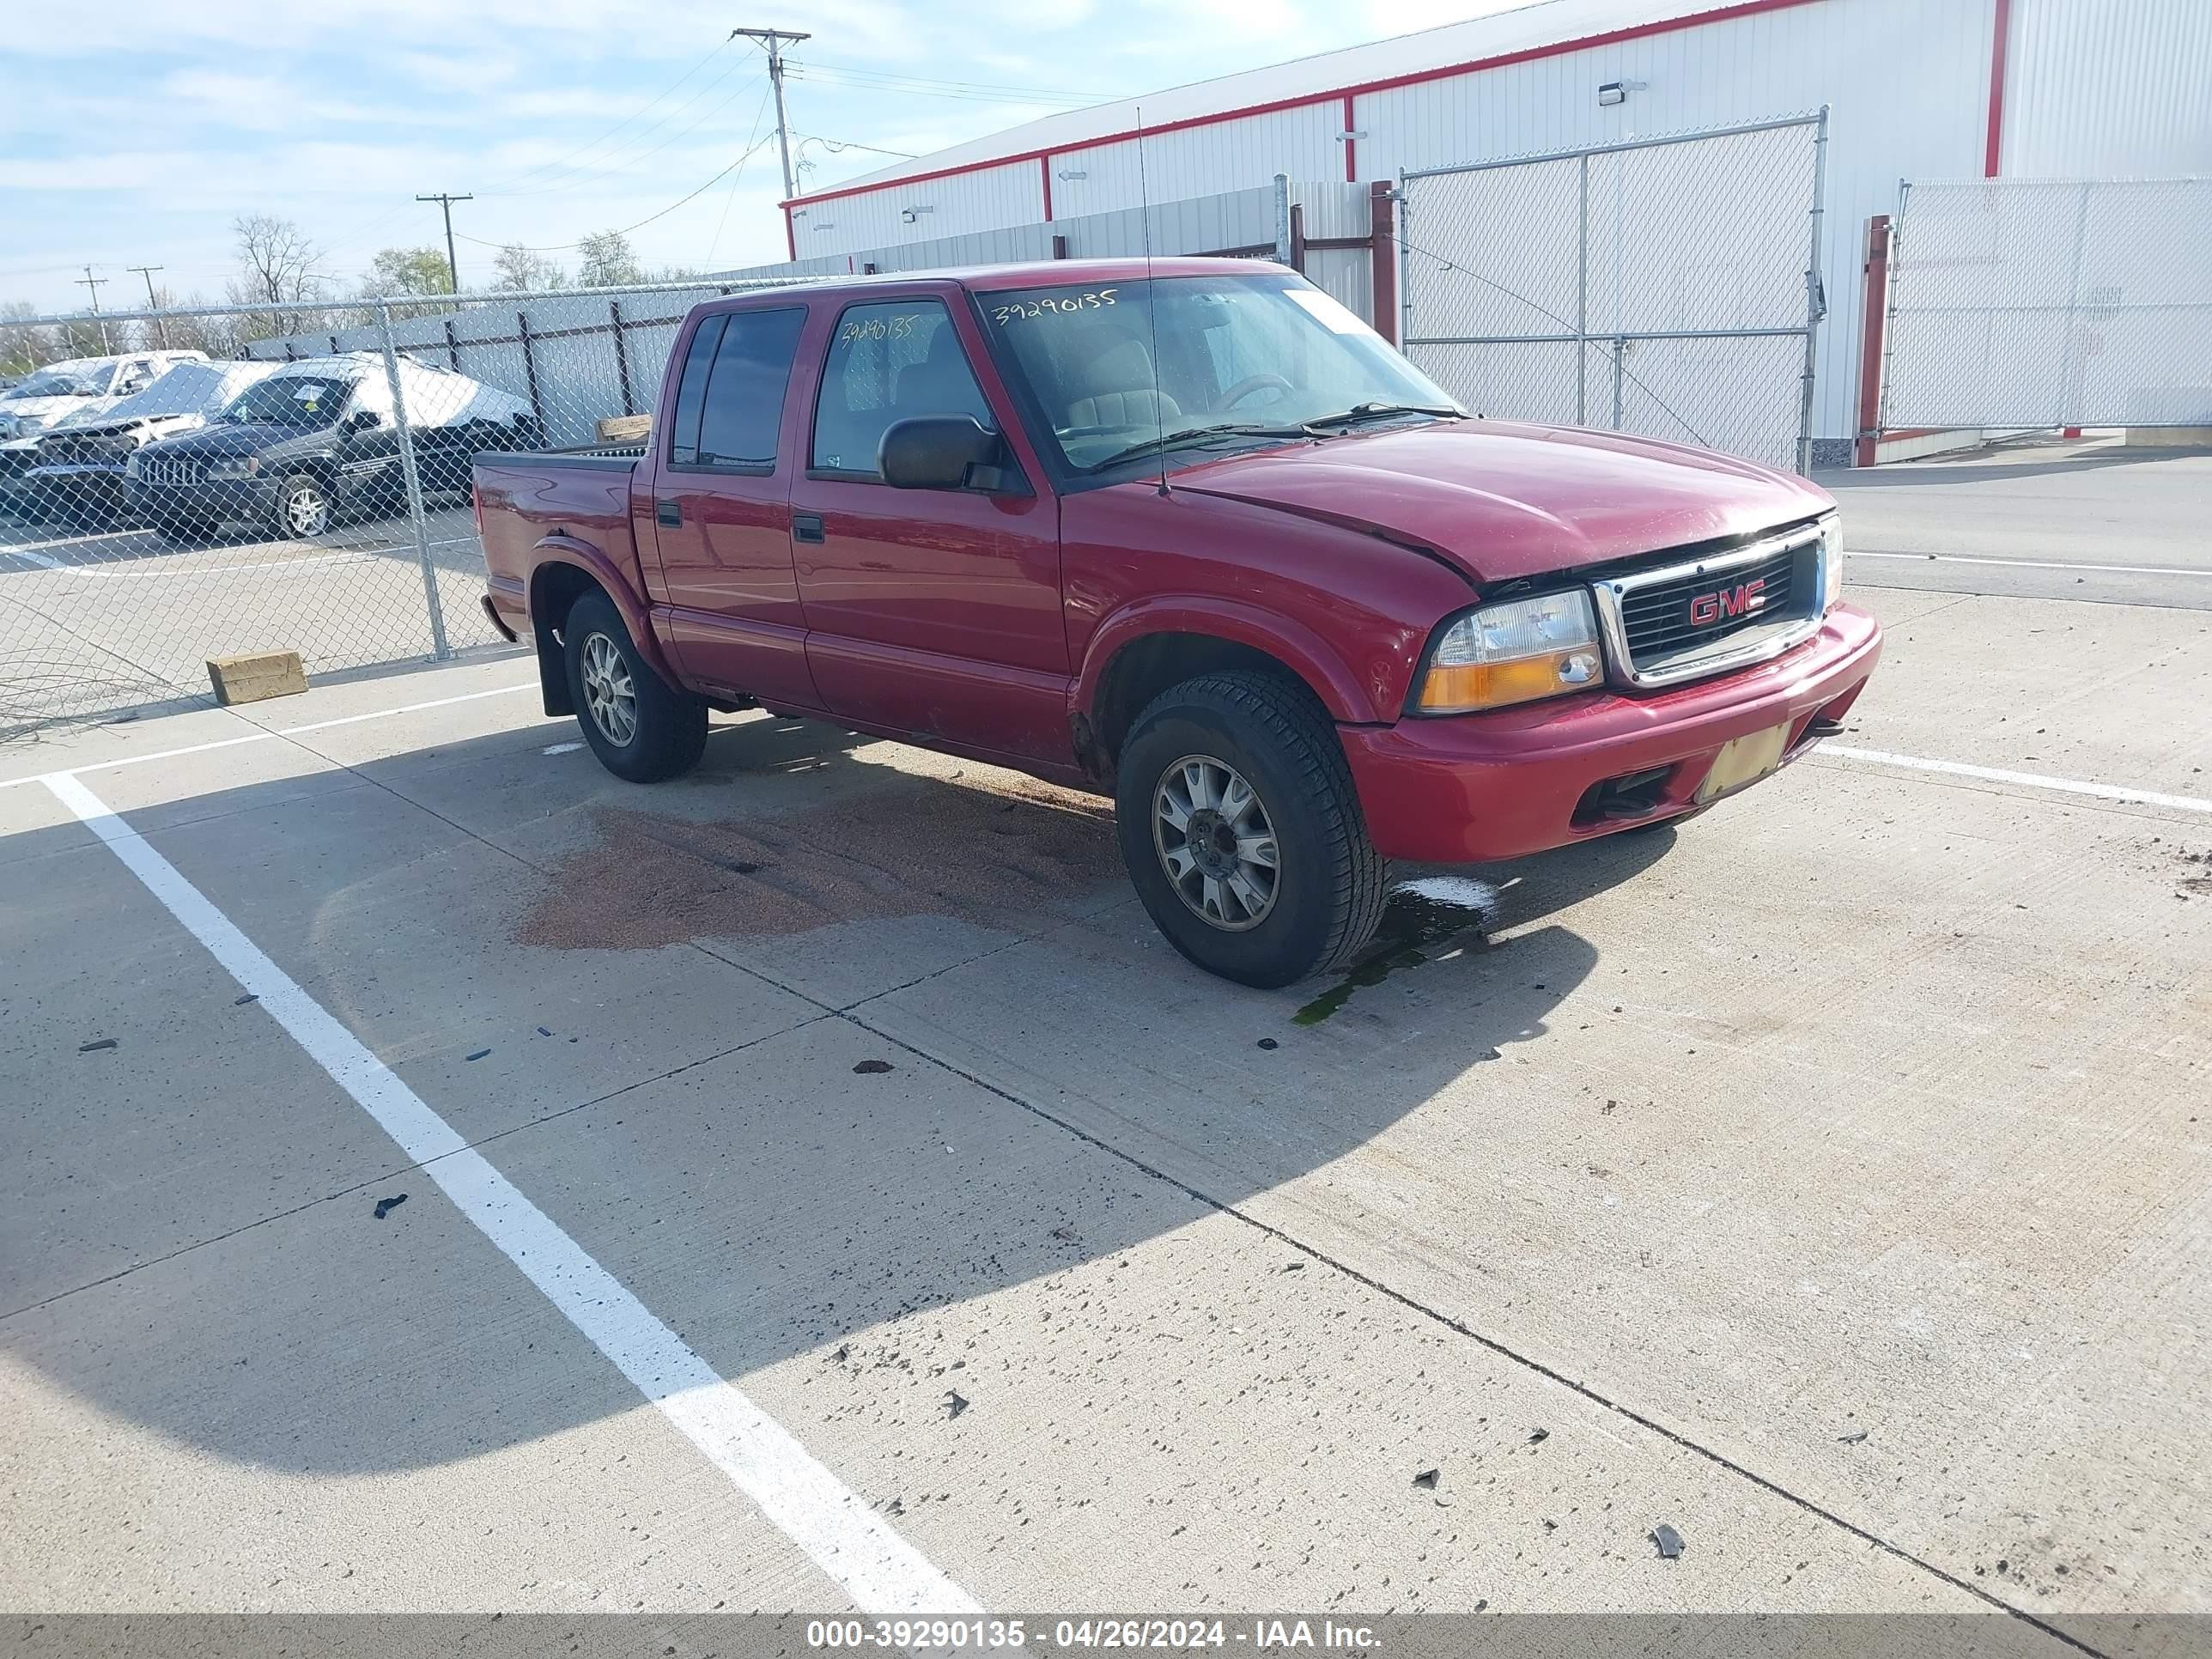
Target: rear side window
692	392
888	362
743	404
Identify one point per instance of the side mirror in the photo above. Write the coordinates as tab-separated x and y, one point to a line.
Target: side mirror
936	451
362	420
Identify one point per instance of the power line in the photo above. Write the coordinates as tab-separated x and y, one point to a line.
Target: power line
773	39
863	72
624	230
839	146
94	284
499	186
836	78
153	303
713	246
626	163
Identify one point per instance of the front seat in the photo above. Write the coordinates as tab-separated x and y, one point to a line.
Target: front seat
1122	391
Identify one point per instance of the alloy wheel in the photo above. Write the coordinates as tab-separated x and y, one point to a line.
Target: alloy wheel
1216	843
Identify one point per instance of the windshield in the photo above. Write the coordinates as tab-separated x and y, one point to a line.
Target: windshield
1267	353
68	381
290	400
187	389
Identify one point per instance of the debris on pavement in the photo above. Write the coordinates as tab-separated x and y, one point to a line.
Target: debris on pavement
93	1047
251	996
1064	1234
1537	1437
1852	1439
542	1032
479	1053
956	1403
1668	1540
384	1207
870	1067
1295	1268
1268	1043
844	1353
1427	1478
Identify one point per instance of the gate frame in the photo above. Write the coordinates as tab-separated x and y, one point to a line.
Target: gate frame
1816	304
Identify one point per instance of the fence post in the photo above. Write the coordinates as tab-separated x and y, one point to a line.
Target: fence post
453	347
1283	253
1874	316
621	357
1298	237
412	475
1816	299
1620	367
2070	363
1392	277
530	368
1582	295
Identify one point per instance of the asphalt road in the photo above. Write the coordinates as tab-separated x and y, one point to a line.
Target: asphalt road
1827	1181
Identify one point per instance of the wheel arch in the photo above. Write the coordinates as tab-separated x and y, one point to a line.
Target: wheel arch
564	570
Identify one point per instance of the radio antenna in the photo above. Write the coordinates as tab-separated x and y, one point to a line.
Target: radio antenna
1151	300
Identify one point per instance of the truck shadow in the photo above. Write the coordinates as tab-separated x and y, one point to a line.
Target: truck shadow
190	1243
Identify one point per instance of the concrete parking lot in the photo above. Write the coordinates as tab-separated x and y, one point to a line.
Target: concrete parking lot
823	1189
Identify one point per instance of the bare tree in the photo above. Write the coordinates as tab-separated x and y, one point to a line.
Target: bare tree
22	349
521	270
276	261
607	261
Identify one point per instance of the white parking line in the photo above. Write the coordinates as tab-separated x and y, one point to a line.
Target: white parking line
271	735
72	541
2031	564
40	559
2026	780
855	1547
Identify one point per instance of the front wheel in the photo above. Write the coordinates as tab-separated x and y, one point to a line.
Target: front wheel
642	728
1242	833
304	509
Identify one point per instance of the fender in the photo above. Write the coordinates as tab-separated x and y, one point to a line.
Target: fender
568	549
1297	647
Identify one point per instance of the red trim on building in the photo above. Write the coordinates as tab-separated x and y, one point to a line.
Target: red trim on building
1351	145
1306	101
2000	43
1044	172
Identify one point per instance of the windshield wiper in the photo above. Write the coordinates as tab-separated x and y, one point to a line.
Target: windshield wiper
1191	434
1359	412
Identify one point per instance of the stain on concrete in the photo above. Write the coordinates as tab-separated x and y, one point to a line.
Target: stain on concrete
1420	917
1009	857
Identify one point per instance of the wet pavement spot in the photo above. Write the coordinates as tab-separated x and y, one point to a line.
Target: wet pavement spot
870	1067
561	749
1421	916
1269	1042
384	1207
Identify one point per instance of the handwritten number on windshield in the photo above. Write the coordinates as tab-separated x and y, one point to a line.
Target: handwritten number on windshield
1051	305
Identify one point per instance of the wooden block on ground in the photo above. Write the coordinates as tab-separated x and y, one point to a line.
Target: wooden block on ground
625	428
249	679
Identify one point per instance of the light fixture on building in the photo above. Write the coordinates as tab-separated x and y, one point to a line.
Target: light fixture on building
1072	174
909	215
1616	92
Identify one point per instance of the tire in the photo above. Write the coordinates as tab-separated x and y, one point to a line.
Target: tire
666	730
303	507
1325	898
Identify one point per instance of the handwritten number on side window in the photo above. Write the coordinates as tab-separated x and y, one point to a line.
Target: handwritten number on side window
1051	305
880	328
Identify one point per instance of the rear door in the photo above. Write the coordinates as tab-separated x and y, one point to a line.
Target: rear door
935	612
721	509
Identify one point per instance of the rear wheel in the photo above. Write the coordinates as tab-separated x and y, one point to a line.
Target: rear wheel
642	728
1242	833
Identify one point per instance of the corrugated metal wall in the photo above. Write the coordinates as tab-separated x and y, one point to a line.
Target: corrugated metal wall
2097	86
2108	89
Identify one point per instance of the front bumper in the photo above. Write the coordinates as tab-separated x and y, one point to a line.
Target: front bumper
228	500
1472	789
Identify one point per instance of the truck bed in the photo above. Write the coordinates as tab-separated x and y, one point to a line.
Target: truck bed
523	496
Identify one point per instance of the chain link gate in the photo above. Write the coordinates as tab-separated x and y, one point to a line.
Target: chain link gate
2046	302
186	484
1667	286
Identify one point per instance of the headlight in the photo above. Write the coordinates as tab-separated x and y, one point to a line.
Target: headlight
1513	652
222	472
130	467
1832	561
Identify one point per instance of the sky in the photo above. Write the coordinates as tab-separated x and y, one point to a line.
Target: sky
135	134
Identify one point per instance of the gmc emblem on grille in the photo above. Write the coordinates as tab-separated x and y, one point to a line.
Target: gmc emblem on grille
1738	601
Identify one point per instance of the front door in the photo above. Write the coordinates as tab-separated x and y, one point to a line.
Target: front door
933	612
722	510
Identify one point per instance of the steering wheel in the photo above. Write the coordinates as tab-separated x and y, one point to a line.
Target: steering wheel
1250	384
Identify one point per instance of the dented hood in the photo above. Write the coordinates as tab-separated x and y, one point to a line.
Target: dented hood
1502	499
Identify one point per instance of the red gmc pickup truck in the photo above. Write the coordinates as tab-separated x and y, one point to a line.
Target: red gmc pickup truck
1192	534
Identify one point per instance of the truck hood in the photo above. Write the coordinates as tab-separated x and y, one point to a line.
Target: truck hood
228	439
1502	500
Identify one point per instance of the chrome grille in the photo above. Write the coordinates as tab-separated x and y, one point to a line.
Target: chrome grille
1687	618
163	471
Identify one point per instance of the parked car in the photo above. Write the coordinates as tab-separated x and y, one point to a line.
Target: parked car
77	476
318	441
1190	534
81	386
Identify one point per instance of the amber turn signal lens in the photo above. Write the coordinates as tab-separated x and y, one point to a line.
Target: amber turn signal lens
1495	684
1512	651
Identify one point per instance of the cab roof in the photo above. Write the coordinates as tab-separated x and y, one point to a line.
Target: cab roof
993	279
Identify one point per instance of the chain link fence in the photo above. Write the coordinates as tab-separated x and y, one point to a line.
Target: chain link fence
1667	286
305	490
2040	303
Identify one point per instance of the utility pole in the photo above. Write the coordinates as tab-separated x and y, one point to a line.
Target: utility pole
160	329
93	282
775	40
452	265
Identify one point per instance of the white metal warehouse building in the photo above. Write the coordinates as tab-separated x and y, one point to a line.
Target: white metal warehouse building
1944	93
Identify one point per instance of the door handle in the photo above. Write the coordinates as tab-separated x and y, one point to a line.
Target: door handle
807	527
668	513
